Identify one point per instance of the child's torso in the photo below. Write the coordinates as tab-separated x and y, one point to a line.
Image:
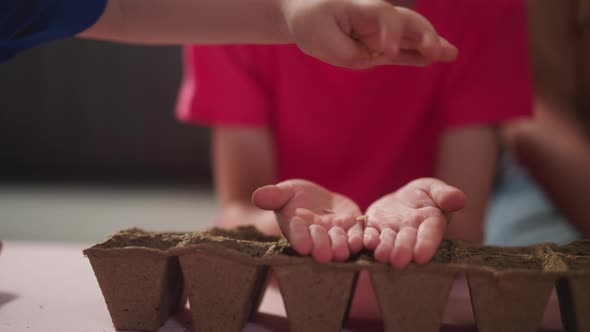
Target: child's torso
362	133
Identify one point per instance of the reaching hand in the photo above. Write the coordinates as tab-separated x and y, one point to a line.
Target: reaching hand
365	33
409	224
313	219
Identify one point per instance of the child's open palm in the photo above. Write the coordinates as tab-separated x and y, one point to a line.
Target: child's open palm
409	224
315	220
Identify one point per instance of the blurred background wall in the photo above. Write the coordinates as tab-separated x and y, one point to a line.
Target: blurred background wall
91	110
89	143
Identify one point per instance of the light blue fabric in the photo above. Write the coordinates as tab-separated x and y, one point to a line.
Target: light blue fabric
519	213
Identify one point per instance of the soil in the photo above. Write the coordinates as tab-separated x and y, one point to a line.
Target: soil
136	237
492	250
577	263
283	248
578	248
554	263
246	233
444	254
500	258
246	240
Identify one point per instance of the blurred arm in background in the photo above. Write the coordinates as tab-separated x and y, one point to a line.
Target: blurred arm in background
467	160
554	148
555	151
243	161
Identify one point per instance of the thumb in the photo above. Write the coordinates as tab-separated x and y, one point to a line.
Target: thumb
449	51
272	197
448	198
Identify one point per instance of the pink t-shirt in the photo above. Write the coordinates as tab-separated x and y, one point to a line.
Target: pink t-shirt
366	133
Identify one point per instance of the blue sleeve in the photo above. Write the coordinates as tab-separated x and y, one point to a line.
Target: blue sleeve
29	23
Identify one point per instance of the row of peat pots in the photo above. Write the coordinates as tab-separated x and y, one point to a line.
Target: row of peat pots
145	277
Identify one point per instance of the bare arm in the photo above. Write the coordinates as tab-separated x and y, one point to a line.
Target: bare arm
467	160
349	33
186	21
556	154
244	160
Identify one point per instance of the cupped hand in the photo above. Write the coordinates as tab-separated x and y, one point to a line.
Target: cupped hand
315	220
409	224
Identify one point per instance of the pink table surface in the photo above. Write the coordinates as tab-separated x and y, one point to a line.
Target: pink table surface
51	287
